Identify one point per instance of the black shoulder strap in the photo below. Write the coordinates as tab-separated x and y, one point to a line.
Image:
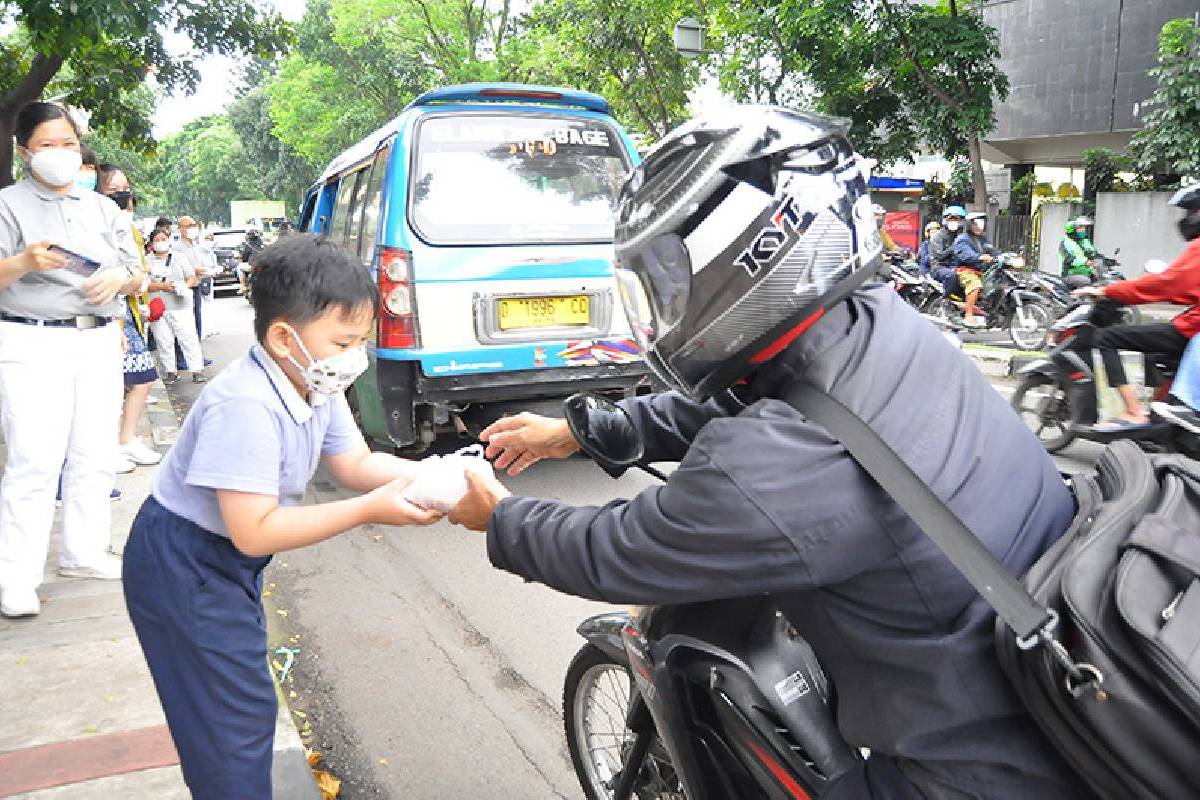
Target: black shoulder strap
984	571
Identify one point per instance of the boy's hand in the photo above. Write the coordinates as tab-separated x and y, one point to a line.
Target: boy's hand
483	495
388	506
520	442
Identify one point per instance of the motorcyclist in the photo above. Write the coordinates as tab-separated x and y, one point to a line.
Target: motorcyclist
973	253
889	244
765	501
941	248
1179	283
249	248
923	259
1077	254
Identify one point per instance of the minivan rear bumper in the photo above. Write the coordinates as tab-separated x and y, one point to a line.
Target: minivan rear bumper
403	389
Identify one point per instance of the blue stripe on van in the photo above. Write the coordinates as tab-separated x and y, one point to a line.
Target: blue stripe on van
480	269
535	355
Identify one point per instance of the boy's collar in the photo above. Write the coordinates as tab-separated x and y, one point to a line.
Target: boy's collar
300	410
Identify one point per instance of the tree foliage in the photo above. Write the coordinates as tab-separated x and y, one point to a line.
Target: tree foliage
909	75
274	171
110	47
623	51
203	167
1169	142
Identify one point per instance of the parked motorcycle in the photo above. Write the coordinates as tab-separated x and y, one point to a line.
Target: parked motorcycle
1007	302
699	701
1057	398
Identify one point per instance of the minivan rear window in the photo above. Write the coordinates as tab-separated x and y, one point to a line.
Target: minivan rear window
508	178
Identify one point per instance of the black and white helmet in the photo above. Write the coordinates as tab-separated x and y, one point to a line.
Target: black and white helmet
735	235
1188	198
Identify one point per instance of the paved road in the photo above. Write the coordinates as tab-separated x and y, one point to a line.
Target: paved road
424	672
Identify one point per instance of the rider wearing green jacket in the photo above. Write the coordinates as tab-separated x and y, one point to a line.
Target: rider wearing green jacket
1077	254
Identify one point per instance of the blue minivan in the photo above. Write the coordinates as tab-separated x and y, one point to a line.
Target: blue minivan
485	212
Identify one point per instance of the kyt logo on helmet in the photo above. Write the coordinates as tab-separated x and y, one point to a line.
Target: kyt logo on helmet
773	241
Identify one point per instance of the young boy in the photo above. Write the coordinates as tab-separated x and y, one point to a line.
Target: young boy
227	497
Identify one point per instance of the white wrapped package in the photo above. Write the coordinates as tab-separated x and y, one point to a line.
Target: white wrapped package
441	481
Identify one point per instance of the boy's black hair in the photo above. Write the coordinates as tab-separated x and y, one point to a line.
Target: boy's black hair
301	277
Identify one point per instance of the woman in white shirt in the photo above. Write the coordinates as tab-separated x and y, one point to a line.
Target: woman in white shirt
172	281
65	253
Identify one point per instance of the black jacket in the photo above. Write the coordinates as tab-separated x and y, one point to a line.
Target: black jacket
766	501
941	249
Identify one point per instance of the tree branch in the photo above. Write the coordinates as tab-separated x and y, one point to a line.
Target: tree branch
906	45
41	72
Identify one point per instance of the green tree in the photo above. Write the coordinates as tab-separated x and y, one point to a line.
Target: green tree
203	167
1100	168
907	73
623	51
1169	142
275	172
110	46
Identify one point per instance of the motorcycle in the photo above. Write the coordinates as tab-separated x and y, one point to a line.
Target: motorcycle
1007	301
916	289
1057	398
718	700
1056	290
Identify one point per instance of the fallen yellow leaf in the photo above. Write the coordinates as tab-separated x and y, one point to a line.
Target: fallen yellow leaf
267	593
314	757
329	785
292	694
22	662
377	538
299	713
91	729
383	762
281	612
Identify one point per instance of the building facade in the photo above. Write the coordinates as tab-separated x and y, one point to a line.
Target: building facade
1077	72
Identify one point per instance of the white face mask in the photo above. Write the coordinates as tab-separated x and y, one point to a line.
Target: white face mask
952	225
56	166
190	234
161	246
330	375
980	224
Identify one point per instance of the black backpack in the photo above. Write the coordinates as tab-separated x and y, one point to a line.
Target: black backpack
1102	638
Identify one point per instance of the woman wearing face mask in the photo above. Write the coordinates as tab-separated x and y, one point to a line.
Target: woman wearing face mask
89	173
138	365
172	280
60	356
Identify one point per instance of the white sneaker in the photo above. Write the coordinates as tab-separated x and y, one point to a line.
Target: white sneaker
137	452
16	602
107	569
123	464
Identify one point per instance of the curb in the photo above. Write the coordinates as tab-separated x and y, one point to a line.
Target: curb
999	362
291	777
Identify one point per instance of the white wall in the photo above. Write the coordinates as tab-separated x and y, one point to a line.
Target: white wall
1141	224
1054	219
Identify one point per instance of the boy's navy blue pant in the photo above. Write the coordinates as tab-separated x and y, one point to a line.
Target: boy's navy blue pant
195	603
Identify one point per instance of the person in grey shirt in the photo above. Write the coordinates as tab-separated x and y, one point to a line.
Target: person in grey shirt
65	253
173	281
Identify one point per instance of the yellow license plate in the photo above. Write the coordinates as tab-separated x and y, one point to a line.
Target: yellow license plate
543	312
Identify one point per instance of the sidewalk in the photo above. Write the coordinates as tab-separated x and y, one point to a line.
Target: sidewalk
79	719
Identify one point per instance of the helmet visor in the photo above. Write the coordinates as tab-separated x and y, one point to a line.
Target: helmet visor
655	282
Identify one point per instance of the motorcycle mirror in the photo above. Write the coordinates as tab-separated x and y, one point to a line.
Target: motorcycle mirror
605	432
1155	266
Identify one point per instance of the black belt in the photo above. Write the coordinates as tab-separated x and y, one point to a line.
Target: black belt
83	322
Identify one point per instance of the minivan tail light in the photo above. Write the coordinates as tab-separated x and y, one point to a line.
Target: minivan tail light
398	326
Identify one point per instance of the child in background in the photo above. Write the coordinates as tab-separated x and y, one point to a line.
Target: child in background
228	495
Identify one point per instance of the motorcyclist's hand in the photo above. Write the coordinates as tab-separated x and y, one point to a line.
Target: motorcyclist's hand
1088	291
985	258
483	495
519	442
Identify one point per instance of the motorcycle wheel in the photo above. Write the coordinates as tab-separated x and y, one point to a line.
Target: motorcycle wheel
596	695
1030	325
941	307
1044	406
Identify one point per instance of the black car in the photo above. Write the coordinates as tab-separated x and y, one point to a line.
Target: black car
227	247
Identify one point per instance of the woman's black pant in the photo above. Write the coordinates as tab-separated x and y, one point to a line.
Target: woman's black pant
1162	337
